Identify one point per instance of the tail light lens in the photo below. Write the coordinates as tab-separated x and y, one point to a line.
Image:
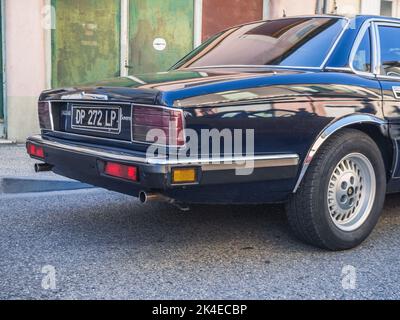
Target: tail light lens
170	122
121	171
35	151
45	115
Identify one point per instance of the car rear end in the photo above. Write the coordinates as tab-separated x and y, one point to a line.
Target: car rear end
104	142
108	140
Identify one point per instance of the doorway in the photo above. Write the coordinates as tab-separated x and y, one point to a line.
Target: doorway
160	33
3	115
85	41
2	71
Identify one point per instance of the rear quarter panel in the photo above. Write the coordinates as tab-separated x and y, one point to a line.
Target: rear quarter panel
287	114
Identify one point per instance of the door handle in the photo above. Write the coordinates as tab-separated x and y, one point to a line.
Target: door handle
127	66
396	91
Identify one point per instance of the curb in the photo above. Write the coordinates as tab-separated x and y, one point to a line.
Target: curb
30	185
7	143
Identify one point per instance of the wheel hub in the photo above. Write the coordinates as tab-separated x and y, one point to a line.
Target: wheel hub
351	192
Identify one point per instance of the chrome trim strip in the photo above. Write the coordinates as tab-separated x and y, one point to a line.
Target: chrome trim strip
361	33
213	164
253	67
376	50
377	24
396	91
373	22
265	161
86	150
93	138
375	44
329	131
396	158
90	101
335	44
381	77
85	96
51	115
343	69
259	162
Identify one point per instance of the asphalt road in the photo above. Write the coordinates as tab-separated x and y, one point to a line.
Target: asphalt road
107	246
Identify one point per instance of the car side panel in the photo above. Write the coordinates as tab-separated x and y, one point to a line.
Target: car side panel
286	117
391	109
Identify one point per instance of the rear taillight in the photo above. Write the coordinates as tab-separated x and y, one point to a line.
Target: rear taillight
121	171
158	125
35	151
45	115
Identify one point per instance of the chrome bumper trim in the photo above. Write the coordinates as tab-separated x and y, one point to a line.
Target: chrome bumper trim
231	163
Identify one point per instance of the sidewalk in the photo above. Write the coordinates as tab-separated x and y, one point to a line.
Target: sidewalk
17	174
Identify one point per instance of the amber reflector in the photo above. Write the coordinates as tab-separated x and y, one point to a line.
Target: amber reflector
187	175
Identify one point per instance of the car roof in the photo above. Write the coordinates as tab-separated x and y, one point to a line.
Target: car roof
282	18
368	17
359	17
338	16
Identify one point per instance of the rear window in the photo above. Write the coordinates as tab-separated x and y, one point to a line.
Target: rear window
285	42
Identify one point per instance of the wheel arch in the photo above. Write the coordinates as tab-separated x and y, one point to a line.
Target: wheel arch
374	127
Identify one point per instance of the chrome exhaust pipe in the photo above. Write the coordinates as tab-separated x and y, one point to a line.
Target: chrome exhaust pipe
145	197
43	167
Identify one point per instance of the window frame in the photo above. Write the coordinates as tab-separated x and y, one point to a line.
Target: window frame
367	27
376	50
378	67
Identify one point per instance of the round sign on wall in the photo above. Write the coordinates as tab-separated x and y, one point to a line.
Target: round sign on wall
159	44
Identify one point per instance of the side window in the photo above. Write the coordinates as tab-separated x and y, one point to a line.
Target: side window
362	59
390	50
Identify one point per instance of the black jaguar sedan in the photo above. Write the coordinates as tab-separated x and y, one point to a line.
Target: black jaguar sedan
303	111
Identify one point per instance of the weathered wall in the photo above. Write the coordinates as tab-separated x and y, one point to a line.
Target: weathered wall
86	41
345	7
370	6
25	68
396	9
1	71
292	7
169	21
219	15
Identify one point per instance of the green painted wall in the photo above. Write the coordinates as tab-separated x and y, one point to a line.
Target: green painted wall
171	20
86	41
1	70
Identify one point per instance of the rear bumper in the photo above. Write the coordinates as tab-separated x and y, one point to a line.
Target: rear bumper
272	180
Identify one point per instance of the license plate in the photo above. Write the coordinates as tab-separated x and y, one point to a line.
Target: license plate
96	118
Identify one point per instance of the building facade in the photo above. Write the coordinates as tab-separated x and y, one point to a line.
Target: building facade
52	43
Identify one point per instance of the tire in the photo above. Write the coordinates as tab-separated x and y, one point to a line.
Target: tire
319	213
